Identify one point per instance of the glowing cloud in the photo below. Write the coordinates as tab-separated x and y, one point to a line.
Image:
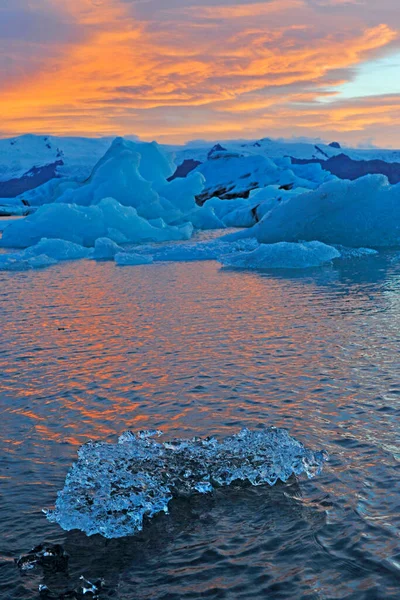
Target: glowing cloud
188	68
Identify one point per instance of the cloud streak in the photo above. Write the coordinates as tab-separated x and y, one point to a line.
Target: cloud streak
192	68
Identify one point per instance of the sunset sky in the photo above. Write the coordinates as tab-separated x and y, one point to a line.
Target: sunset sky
175	70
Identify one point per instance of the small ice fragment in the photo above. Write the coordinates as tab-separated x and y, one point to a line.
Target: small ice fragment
203	487
132	259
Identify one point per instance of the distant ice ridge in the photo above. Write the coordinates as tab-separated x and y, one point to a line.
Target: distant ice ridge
112	488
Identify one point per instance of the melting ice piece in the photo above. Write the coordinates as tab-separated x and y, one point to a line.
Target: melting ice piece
283	255
113	487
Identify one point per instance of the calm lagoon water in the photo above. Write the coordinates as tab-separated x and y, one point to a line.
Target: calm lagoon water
89	350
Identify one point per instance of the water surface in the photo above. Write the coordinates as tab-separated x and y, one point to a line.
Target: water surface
89	350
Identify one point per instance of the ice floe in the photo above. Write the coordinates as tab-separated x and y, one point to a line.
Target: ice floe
132	259
283	255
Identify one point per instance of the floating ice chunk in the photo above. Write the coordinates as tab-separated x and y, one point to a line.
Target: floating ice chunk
106	249
132	259
283	255
43	254
14	207
312	172
112	487
84	224
198	251
19	261
85	589
361	213
58	249
154	165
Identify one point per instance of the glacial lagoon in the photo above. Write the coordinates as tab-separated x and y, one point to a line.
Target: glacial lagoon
90	350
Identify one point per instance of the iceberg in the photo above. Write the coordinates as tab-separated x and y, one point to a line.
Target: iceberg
128	170
127	198
283	255
112	488
361	213
83	225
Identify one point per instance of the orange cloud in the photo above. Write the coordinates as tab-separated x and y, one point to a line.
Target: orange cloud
177	78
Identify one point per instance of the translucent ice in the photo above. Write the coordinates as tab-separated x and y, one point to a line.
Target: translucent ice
113	487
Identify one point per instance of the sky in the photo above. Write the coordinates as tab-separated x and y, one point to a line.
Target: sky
176	70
